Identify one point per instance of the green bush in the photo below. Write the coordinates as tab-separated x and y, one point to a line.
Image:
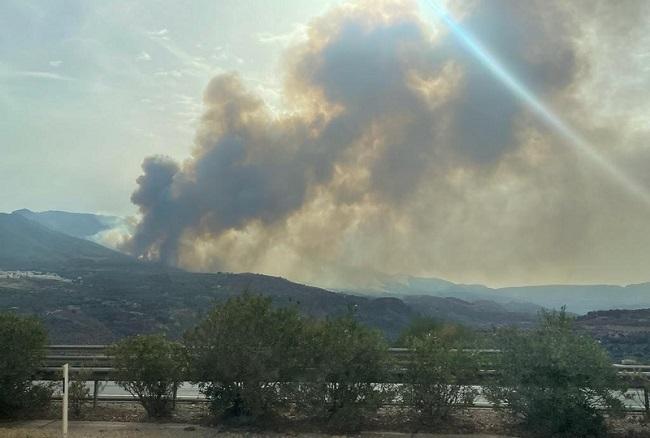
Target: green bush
23	340
151	368
244	356
78	392
438	375
344	362
557	382
421	327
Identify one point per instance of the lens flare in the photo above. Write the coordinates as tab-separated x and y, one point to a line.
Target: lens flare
552	120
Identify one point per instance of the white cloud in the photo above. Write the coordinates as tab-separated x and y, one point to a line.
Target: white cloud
162	34
144	56
37	75
169	73
56	63
298	32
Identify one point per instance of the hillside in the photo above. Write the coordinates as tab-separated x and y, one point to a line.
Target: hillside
105	305
478	314
50	252
102	295
578	299
625	333
82	225
102	306
27	245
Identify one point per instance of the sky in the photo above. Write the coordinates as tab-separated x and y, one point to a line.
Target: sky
333	142
89	88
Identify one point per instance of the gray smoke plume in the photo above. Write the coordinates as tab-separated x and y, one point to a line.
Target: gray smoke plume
399	152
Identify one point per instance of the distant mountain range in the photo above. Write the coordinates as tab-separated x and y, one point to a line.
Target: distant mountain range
578	299
83	225
26	244
102	295
105	295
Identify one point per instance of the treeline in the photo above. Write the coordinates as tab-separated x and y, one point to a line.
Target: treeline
258	364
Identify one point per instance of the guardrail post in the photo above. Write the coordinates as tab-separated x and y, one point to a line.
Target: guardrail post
65	401
646	402
95	391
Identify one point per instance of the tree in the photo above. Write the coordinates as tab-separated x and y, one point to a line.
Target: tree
244	356
151	368
557	382
345	361
439	373
78	392
23	341
448	332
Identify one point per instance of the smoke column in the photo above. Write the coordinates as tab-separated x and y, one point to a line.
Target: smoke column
572	137
398	151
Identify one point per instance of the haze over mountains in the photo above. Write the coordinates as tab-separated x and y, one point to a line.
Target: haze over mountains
27	244
82	225
577	298
46	248
108	295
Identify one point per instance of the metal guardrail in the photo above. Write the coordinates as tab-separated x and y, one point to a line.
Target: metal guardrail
97	363
95	360
93	357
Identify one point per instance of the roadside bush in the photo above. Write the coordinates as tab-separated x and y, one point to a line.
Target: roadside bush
450	333
344	362
78	392
438	374
150	368
557	382
244	356
22	340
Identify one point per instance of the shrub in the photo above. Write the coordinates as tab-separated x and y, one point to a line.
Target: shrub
557	382
23	340
78	392
150	368
438	376
244	356
345	360
421	327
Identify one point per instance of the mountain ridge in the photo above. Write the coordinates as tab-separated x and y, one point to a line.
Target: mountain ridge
578	299
103	295
26	244
82	225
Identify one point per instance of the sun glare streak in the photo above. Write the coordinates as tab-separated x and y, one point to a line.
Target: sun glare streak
574	139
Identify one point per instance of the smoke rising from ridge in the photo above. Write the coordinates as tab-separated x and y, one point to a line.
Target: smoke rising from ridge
398	153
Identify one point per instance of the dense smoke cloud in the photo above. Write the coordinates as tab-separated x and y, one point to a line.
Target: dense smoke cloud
398	152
